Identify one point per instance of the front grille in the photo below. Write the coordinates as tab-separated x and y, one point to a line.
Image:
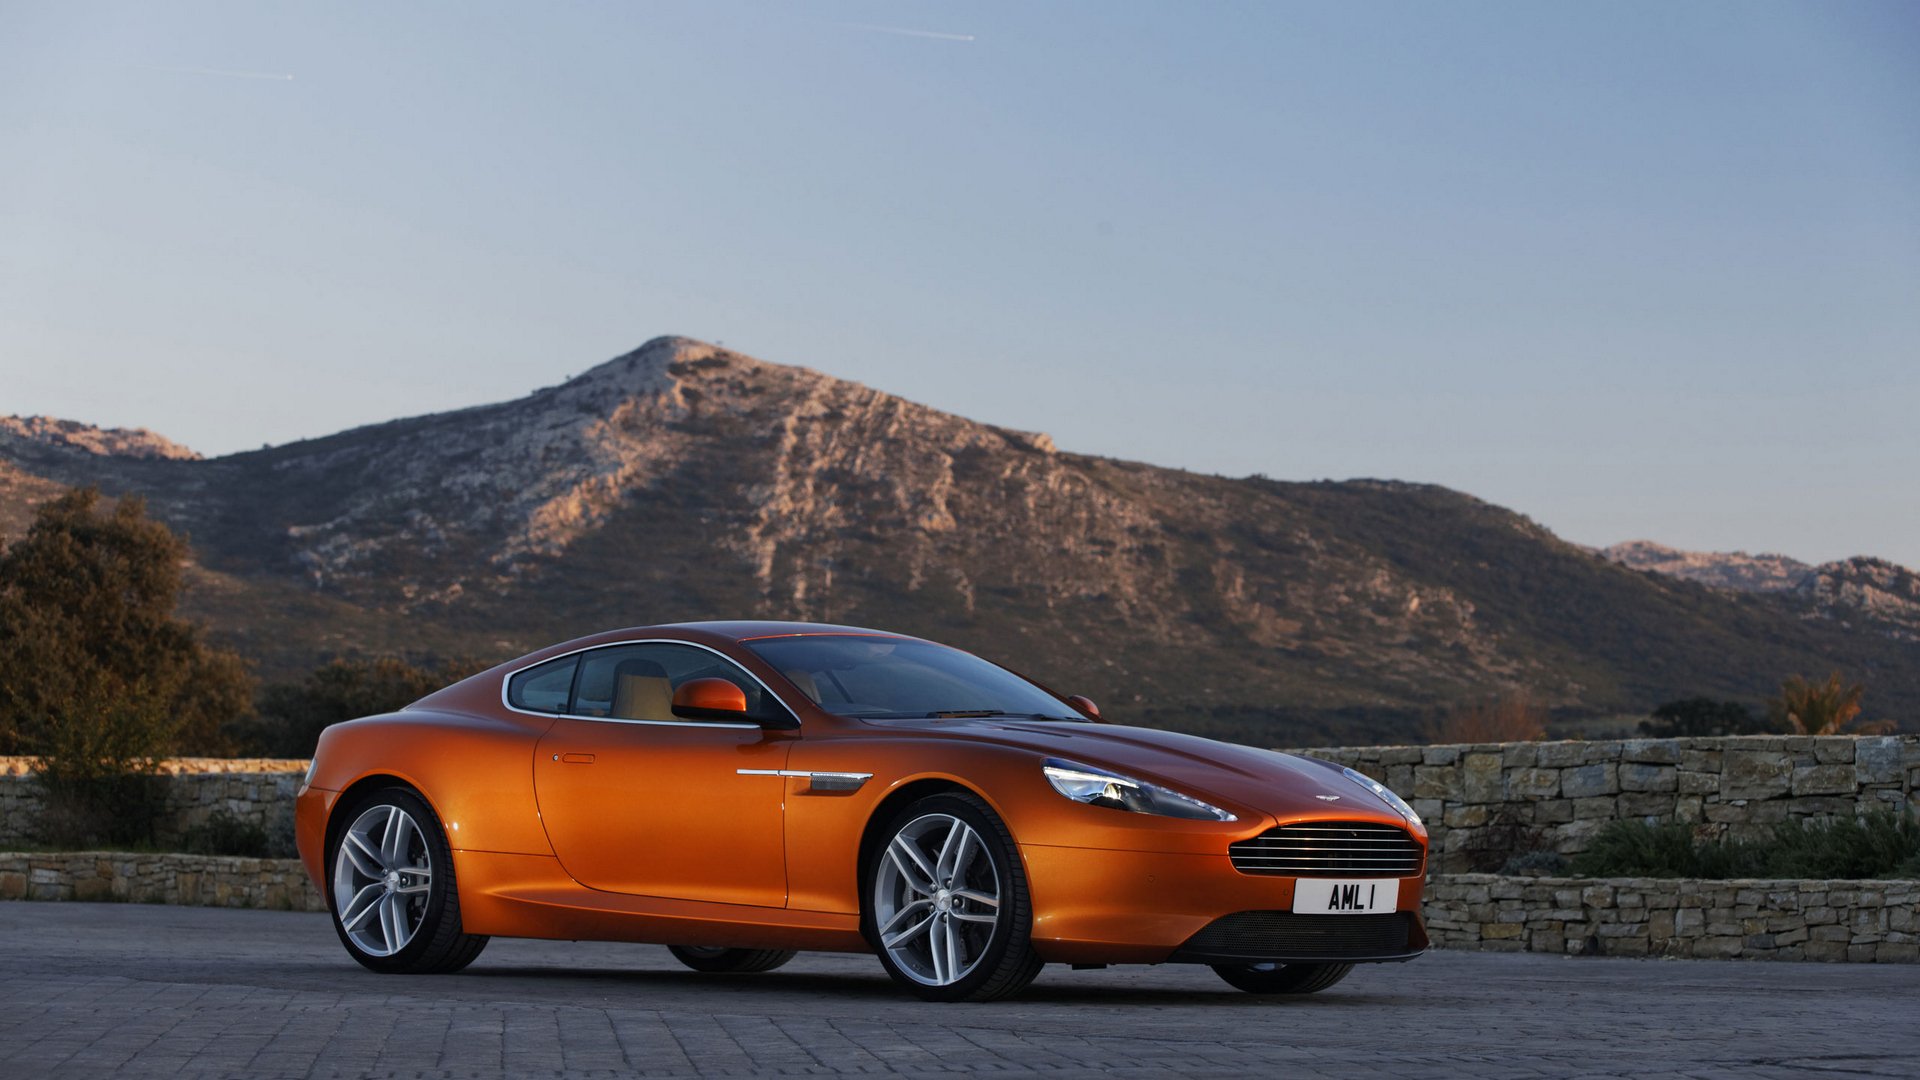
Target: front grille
1330	849
1283	935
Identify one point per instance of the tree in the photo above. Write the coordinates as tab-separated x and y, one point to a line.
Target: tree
292	715
1823	708
98	679
1699	716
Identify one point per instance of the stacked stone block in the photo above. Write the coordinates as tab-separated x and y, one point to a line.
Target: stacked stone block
201	880
1559	794
254	791
1860	921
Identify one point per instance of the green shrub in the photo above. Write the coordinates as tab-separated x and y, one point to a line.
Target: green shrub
1880	845
1875	847
1535	864
225	834
1697	716
99	681
92	811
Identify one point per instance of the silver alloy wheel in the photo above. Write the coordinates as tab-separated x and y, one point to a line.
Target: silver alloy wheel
382	874
936	899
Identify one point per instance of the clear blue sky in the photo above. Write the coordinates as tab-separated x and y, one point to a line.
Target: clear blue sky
1636	270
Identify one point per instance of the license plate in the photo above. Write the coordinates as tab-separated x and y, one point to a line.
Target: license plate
1328	896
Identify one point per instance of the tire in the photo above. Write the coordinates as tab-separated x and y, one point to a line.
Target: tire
1282	978
950	858
717	960
391	888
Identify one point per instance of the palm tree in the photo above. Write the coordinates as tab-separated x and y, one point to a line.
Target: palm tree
1825	708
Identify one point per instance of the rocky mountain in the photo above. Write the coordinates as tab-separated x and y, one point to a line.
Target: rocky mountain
1720	569
685	481
1872	593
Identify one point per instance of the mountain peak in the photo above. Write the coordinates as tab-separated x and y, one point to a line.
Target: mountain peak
654	354
137	443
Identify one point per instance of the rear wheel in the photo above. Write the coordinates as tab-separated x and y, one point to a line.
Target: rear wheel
392	894
1282	978
713	958
947	905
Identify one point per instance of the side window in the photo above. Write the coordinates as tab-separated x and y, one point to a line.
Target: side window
543	688
636	682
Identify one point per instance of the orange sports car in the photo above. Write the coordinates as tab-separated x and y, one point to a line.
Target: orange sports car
739	791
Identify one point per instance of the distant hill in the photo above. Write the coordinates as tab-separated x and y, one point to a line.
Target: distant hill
1870	593
685	481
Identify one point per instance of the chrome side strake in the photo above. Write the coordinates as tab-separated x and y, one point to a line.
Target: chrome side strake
819	781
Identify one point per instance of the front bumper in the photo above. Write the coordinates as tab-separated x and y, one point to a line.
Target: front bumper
1095	906
1283	937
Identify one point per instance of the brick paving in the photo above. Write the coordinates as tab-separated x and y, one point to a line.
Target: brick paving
138	990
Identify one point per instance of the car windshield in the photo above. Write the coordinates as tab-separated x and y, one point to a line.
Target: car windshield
897	678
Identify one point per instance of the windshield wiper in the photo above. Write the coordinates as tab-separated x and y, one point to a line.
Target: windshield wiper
976	714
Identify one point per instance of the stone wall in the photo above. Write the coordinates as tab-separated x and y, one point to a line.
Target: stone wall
251	791
1483	801
201	880
1861	921
17	765
1479	800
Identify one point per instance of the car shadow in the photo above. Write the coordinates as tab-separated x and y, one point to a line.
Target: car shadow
878	987
842	985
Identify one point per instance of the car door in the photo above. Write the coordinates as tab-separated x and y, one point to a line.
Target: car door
637	800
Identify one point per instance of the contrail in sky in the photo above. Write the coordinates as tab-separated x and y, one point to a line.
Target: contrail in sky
274	75
904	32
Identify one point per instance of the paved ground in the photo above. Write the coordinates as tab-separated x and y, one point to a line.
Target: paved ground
92	990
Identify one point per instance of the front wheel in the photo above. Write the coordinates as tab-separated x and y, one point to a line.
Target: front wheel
718	960
1282	978
392	892
947	905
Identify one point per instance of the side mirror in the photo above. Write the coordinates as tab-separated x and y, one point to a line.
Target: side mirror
1086	705
710	699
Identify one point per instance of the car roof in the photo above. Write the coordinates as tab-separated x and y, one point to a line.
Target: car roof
751	629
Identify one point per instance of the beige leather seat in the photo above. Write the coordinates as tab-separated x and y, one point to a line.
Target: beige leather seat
805	682
641	691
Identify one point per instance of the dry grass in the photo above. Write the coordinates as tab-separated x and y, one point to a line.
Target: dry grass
1509	718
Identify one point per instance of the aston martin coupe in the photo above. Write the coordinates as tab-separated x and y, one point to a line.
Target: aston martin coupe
739	791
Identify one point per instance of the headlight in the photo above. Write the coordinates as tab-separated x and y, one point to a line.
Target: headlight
1098	787
1386	796
312	762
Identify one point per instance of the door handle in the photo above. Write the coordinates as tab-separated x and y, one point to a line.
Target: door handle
574	759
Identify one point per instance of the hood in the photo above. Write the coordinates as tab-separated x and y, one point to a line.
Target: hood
1283	785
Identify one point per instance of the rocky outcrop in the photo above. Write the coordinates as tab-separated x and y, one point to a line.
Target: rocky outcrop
1873	591
1719	569
136	443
